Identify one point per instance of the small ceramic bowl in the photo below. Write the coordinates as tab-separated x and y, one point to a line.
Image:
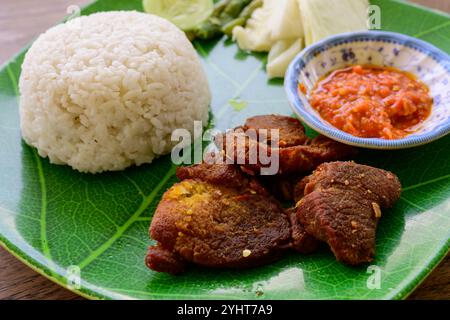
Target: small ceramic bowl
379	48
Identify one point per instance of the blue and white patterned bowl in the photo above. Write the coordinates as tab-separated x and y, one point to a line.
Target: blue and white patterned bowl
427	62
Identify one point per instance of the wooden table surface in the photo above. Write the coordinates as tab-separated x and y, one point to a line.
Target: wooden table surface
20	22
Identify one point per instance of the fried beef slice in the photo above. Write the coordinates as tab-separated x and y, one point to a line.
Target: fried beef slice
217	217
292	133
296	153
281	187
221	174
341	203
301	241
231	176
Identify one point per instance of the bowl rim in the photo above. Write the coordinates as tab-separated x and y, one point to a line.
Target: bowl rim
303	58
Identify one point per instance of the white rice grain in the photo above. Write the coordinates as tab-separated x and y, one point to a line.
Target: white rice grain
105	91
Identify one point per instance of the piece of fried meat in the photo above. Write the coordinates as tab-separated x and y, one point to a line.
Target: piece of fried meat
216	217
341	203
296	153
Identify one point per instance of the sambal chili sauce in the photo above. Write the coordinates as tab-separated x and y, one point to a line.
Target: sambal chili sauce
372	102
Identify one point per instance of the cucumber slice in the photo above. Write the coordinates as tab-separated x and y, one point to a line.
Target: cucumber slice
185	14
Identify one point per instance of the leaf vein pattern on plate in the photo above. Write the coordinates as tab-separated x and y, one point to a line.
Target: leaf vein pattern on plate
239	90
144	205
204	55
435	28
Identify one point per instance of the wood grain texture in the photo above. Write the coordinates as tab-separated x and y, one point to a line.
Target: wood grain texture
443	5
20	22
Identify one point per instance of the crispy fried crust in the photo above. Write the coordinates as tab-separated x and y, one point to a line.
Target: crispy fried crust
341	203
281	187
217	225
372	183
222	217
296	153
163	260
221	174
292	133
301	241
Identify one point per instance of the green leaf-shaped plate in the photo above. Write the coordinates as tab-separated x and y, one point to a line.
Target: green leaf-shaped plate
53	218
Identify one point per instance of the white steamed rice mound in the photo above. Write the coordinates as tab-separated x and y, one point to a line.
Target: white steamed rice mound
105	91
